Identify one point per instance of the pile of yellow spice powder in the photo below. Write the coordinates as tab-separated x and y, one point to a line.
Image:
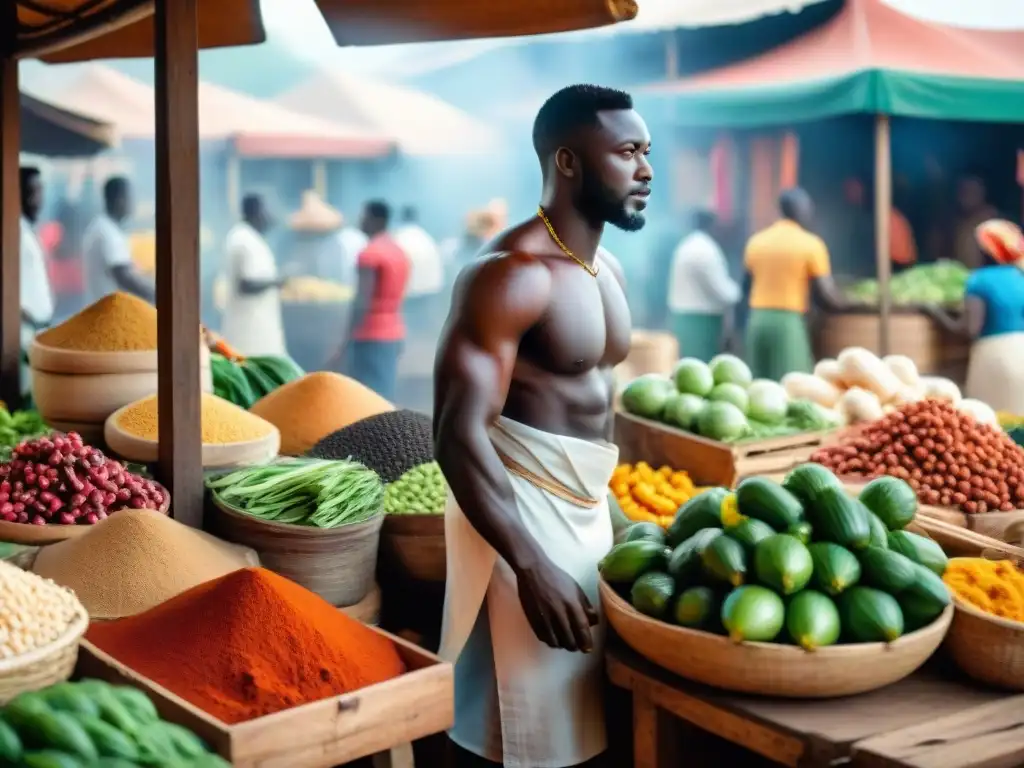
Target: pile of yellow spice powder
223	422
119	322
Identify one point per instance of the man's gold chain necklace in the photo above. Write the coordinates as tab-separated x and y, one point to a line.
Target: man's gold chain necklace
592	271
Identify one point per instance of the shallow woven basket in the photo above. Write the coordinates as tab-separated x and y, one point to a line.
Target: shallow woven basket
988	648
772	669
42	667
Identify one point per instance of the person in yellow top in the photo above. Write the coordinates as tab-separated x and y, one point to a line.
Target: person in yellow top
785	263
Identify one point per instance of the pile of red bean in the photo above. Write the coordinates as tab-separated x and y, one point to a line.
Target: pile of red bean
61	480
947	458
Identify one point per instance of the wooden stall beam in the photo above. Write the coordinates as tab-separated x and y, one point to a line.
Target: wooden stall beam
177	256
81	30
10	212
883	214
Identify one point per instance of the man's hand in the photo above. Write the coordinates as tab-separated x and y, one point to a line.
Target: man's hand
558	610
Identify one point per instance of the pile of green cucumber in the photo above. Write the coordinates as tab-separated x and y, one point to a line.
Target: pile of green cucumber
246	381
92	724
802	562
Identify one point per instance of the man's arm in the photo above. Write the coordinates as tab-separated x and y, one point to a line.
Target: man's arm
251	287
129	280
497	303
366	281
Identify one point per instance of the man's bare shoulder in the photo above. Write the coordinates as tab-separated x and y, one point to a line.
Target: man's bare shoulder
503	282
607	259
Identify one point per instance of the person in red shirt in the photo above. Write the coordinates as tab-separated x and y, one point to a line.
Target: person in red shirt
371	355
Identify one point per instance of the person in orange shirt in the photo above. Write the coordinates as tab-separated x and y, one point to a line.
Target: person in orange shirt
784	263
902	247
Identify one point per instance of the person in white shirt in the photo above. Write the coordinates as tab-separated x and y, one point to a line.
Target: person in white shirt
252	321
107	256
423	311
36	295
701	294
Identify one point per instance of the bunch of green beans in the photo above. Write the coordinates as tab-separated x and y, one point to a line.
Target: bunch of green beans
303	491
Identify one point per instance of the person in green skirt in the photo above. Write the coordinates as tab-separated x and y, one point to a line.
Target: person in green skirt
785	263
701	294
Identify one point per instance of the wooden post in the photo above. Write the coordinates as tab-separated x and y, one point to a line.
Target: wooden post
883	214
177	255
10	212
320	178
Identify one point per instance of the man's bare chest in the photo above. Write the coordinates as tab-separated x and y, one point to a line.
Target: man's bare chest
586	326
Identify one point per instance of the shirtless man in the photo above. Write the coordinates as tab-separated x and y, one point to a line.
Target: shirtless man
523	419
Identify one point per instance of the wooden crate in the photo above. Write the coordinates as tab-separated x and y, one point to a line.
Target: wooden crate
934	350
710	462
321	734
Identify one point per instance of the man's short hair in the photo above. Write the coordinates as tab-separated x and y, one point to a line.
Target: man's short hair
792	200
252	204
379	210
571	109
704	219
26	174
116	188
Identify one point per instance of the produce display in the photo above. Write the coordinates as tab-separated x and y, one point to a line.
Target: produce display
389	443
249	644
222	422
34	612
420	491
720	401
244	381
303	491
135	560
947	458
308	289
59	480
993	586
802	562
119	322
91	723
307	410
17	427
651	495
940	283
863	387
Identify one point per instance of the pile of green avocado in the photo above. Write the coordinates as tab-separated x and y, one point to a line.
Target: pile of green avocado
802	562
92	724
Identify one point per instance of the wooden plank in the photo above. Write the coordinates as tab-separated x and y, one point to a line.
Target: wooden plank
10	214
375	721
177	263
936	690
989	736
655	735
698	711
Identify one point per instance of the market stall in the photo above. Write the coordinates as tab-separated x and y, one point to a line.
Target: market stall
359	691
868	59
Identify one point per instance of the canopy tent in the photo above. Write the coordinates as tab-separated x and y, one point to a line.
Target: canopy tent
52	131
869	58
256	128
85	30
419	123
172	31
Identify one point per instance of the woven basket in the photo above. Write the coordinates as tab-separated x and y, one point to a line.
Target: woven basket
986	647
42	667
772	669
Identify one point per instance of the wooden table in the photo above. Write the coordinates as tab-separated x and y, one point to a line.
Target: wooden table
986	736
802	734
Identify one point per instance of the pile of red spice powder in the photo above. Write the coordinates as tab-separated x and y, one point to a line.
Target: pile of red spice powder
249	644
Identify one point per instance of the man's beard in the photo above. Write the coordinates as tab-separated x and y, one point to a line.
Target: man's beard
601	206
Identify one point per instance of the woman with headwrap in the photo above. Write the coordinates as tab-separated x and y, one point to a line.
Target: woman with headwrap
994	319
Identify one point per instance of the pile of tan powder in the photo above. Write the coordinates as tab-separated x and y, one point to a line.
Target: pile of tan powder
137	559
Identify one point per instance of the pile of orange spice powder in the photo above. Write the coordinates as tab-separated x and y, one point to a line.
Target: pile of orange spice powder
249	644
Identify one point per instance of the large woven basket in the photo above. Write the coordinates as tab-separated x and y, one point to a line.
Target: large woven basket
413	548
42	667
772	669
988	648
